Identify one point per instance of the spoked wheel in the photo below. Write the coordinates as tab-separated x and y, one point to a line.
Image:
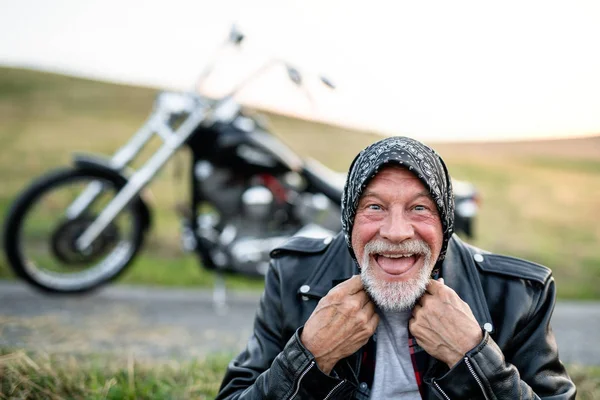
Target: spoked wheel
42	228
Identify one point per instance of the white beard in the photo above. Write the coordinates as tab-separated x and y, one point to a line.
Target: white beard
402	295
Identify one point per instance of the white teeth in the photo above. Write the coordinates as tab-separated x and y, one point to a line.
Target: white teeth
396	255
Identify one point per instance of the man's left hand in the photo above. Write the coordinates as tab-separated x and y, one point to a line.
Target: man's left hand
444	324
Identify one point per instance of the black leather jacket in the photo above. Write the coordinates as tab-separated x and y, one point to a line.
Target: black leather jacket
511	298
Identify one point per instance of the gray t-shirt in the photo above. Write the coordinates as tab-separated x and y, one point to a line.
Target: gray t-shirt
394	373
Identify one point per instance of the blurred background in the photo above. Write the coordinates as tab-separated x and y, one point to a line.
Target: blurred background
507	93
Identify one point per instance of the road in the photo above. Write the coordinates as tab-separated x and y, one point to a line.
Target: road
182	323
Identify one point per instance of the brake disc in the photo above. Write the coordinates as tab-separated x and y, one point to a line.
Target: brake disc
63	242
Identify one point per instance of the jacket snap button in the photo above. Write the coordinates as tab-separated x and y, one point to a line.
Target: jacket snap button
478	257
488	327
304	289
363	386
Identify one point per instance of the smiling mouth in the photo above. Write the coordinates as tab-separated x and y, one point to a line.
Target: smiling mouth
396	264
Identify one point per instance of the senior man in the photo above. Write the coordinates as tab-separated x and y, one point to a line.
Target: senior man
395	306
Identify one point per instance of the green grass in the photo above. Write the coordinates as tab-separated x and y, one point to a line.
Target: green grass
27	376
566	164
41	376
181	271
540	200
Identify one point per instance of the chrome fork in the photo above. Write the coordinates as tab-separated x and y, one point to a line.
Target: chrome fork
172	142
120	159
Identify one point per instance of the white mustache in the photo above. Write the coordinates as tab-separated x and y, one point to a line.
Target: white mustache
412	246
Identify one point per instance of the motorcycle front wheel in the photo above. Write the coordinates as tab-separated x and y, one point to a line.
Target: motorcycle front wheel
39	236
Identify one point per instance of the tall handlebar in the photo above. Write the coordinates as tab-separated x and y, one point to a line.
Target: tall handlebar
235	39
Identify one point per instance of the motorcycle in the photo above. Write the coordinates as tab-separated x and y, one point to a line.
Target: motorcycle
77	228
80	227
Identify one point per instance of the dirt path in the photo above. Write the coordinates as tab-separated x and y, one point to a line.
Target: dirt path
182	323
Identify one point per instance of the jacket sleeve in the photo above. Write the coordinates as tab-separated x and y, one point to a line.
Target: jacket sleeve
530	370
272	366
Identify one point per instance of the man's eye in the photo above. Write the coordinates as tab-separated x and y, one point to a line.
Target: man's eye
374	207
420	208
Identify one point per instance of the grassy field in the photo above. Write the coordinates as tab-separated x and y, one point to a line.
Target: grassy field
540	200
27	376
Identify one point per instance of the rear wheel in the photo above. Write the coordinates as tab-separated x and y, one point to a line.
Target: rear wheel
39	237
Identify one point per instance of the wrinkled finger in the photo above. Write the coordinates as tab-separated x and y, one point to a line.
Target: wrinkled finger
363	297
373	322
413	327
411	324
434	286
369	307
416	309
352	285
425	298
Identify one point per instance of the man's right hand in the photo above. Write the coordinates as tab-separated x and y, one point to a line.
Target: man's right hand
342	323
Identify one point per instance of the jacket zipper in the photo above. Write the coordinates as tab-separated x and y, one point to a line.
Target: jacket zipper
441	391
472	371
334	389
300	380
312	363
475	376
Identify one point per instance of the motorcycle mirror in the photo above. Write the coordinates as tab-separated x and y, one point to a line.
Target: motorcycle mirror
294	75
235	35
327	82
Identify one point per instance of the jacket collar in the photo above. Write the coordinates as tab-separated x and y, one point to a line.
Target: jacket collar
334	267
462	275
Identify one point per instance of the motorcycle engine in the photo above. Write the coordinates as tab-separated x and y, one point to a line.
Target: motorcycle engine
250	218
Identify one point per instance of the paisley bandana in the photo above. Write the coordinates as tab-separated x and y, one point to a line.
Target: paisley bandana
418	158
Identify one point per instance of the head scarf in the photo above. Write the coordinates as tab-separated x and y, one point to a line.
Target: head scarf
415	156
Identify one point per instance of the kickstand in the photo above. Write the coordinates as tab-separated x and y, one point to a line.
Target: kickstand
220	294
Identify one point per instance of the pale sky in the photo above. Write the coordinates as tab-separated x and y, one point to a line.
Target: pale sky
435	70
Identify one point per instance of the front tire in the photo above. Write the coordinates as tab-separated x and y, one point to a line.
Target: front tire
39	238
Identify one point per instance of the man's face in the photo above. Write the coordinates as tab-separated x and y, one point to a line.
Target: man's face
397	238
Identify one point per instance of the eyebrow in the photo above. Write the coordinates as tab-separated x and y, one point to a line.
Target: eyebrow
425	193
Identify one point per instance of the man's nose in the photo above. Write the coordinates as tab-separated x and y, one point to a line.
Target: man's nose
396	227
